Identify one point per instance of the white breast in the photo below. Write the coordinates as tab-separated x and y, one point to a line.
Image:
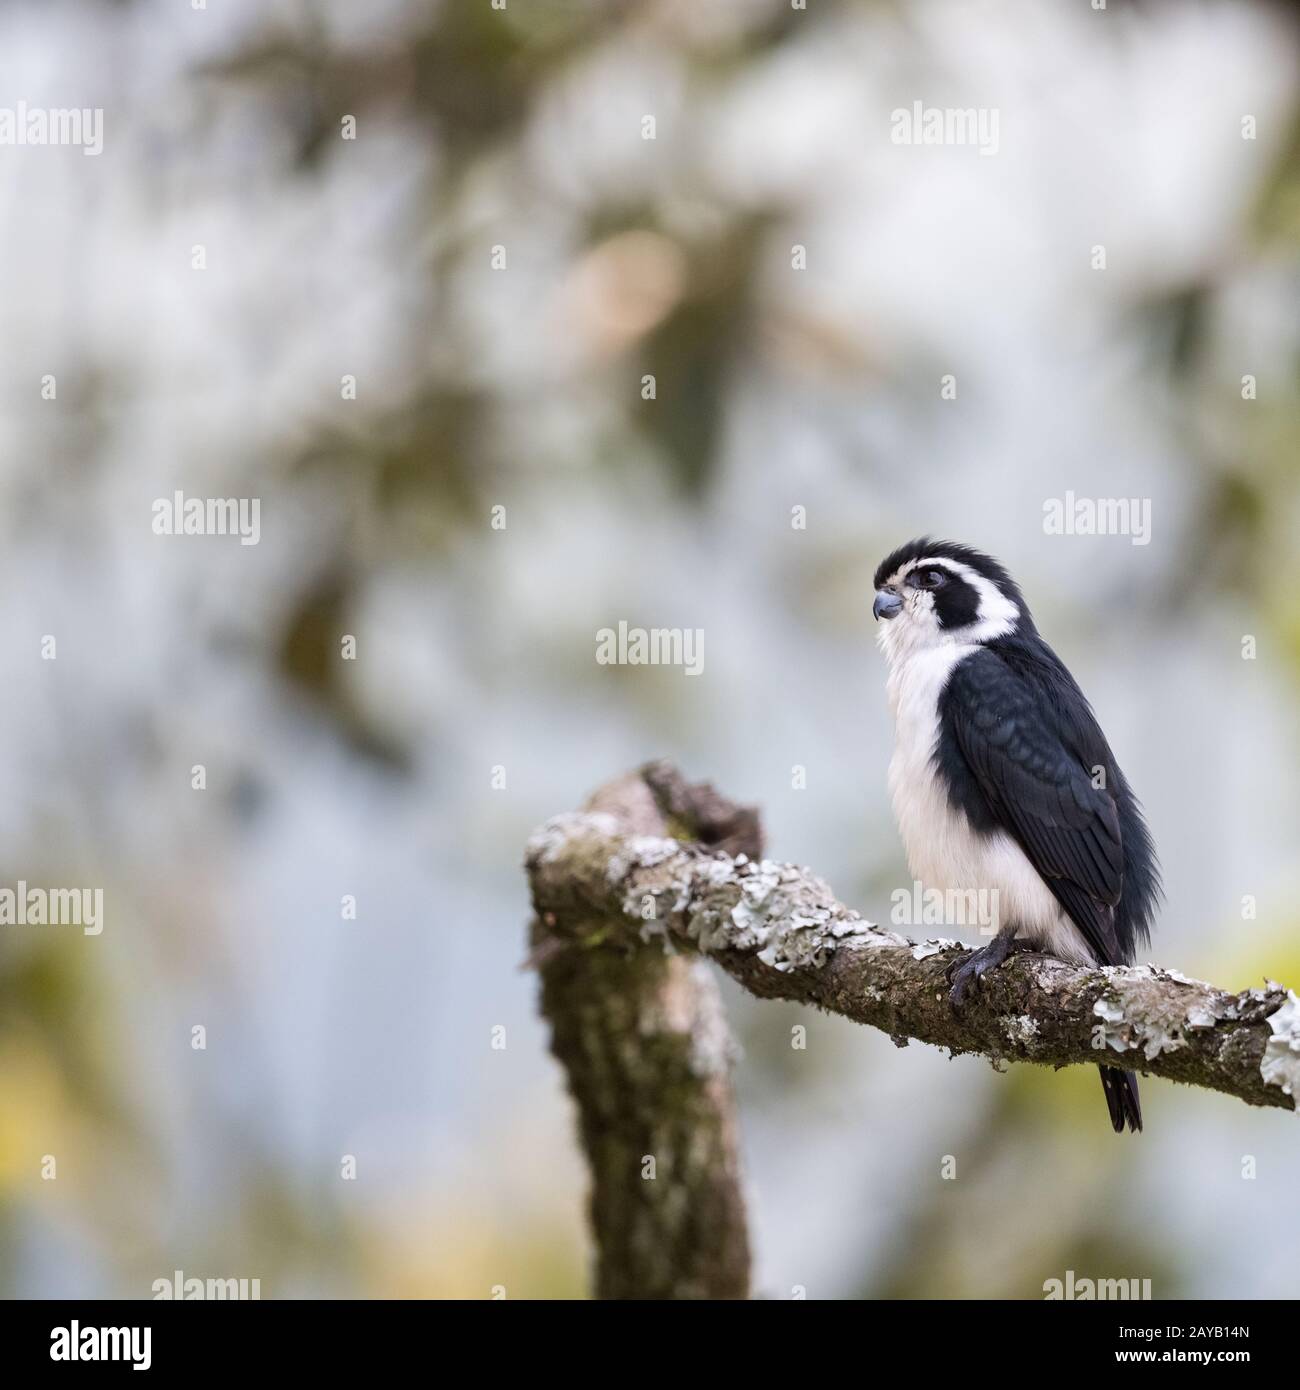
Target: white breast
943	851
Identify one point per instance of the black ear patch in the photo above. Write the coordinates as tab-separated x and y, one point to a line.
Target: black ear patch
956	604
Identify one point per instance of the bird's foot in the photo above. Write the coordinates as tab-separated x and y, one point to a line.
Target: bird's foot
966	969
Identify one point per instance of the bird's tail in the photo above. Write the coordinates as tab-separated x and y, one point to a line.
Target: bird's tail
1121	1089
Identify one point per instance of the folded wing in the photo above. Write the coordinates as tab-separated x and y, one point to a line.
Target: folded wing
1041	792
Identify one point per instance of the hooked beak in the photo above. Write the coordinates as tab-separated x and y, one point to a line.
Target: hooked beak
887	605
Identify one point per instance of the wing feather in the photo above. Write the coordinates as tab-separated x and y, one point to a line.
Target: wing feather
1042	792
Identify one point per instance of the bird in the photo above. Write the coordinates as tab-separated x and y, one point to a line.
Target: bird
1001	778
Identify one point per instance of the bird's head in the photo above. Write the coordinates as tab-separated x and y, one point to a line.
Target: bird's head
936	593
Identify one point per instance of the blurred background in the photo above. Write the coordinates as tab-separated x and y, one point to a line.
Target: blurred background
498	261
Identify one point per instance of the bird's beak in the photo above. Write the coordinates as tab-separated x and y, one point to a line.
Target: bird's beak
887	605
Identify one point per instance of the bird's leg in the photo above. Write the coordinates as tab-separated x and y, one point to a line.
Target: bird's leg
970	967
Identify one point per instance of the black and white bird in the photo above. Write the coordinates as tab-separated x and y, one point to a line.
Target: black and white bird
1002	779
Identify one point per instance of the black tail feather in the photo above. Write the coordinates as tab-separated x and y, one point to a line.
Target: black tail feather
1121	1089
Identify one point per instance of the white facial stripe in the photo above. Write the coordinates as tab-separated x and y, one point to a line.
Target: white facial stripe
996	614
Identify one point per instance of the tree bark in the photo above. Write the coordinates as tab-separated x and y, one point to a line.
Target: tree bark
644	1041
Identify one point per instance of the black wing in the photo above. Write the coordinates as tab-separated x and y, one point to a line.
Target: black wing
1017	745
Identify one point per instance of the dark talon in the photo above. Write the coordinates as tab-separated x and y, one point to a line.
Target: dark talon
955	963
973	965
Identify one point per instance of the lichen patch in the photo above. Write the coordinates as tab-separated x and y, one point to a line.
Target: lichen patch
549	841
1281	1062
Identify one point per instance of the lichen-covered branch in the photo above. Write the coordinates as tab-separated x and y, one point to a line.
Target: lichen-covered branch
604	886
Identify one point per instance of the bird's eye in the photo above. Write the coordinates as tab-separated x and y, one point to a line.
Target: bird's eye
929	579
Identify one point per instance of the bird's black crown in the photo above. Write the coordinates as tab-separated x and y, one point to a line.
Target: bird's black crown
953	550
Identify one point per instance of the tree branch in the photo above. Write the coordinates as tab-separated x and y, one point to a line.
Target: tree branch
655	872
603	884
